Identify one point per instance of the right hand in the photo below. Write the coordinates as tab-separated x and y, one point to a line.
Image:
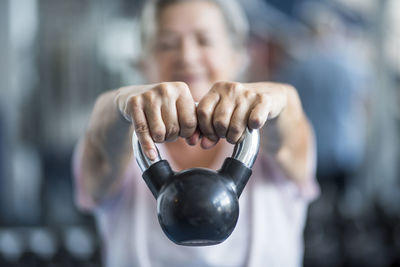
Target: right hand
159	112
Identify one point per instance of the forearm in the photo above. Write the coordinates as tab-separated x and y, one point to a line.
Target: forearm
289	138
149	109
105	149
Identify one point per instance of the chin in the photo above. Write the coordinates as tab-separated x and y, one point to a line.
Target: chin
198	90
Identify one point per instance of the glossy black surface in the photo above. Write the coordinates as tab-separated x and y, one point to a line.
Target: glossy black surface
197	207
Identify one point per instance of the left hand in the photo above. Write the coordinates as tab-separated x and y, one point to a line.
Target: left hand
229	107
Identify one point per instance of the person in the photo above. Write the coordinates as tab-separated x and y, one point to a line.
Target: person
194	51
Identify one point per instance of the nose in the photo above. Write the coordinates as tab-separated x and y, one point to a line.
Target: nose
189	53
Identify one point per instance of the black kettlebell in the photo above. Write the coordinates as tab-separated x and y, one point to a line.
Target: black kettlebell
199	206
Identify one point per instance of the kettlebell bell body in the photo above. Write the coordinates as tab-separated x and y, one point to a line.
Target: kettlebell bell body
199	206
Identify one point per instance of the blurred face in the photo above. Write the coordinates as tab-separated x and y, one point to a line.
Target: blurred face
193	46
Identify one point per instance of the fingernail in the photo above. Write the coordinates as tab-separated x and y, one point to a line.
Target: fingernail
206	143
212	138
151	154
191	141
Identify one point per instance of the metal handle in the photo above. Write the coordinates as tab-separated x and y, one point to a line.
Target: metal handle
245	150
142	160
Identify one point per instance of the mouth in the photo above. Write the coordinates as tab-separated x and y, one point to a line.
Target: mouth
189	78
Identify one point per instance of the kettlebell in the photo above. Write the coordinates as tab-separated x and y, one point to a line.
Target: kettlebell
199	206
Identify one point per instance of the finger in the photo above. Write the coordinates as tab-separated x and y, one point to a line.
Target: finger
187	118
155	122
170	118
222	116
143	133
205	111
238	123
259	115
194	139
206	143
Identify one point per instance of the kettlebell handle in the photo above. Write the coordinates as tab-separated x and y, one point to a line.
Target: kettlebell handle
199	206
245	150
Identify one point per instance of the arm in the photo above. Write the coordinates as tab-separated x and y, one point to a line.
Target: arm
103	153
229	107
105	150
289	138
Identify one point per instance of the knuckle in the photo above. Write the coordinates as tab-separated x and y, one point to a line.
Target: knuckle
235	132
248	94
207	130
163	89
222	113
235	129
255	122
189	123
232	139
222	87
203	113
235	87
148	96
220	84
141	128
134	101
220	126
163	86
263	98
152	106
146	144
172	130
181	85
158	135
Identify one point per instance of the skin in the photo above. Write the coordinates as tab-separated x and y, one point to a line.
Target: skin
192	60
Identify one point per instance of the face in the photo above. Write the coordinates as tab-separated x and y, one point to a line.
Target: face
193	46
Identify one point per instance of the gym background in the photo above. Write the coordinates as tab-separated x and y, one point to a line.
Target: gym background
342	55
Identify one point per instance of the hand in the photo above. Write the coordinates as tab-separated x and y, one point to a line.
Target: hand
229	107
159	112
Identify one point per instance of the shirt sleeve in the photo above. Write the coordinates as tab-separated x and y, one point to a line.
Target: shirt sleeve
308	191
272	171
82	200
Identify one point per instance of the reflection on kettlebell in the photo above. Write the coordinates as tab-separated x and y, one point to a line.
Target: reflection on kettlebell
198	206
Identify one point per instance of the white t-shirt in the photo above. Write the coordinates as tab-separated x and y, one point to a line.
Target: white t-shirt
269	231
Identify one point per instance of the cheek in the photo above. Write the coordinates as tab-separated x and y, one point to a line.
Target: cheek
158	69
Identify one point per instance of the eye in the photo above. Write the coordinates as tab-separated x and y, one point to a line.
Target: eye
205	40
166	44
